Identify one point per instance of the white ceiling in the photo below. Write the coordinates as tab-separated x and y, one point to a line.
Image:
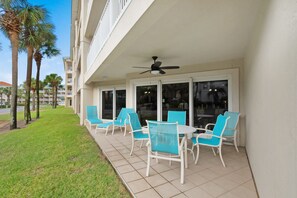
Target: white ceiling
190	32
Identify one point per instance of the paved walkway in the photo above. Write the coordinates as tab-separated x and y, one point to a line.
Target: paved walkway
7	110
208	179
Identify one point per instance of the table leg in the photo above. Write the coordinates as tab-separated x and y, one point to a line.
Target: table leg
186	151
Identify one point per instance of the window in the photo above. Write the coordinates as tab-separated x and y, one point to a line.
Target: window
120	100
107	104
175	97
210	100
146	103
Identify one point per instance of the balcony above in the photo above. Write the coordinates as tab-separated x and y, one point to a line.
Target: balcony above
180	33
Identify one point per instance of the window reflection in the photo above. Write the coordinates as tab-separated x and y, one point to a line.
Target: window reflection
175	97
146	99
120	100
107	104
210	100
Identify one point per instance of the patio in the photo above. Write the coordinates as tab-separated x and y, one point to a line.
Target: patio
206	179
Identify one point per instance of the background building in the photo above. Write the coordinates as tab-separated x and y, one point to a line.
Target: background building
68	82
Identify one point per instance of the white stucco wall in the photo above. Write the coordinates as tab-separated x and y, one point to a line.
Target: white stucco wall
270	94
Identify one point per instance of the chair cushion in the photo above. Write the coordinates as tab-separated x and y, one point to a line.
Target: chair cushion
105	125
95	121
207	141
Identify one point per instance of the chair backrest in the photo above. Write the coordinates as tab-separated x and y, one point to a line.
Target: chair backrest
219	128
163	137
135	124
232	122
123	115
177	116
92	112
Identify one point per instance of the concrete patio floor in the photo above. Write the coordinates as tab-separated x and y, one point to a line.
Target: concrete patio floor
207	179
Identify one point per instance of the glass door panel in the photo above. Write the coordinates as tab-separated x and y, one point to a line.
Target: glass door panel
146	103
210	100
120	100
175	97
107	104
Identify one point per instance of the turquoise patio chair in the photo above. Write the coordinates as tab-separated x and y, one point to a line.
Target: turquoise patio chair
137	130
177	116
180	117
231	128
164	144
121	121
92	116
213	139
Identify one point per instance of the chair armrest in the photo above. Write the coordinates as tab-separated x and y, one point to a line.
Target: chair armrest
207	135
209	124
139	130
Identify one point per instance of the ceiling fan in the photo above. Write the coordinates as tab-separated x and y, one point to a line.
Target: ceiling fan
155	67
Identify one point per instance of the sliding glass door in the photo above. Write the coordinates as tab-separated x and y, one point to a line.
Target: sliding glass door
109	105
146	103
210	100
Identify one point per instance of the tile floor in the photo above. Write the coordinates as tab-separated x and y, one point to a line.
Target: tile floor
206	179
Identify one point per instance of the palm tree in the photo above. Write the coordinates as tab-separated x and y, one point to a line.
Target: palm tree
10	24
7	92
20	93
32	17
1	95
53	80
45	47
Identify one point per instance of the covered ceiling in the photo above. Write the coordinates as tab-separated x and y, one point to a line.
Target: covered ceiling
188	33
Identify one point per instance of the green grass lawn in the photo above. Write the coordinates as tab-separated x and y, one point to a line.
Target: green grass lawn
55	157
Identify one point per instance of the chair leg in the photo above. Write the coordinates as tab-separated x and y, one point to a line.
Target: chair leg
214	153
182	169
221	157
141	143
106	131
125	130
197	157
132	146
148	164
112	129
235	141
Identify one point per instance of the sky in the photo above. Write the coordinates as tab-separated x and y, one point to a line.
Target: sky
60	16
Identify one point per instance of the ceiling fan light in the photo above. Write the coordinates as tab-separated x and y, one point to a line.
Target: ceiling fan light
155	72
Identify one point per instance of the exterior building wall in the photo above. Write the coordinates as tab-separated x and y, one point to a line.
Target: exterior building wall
270	92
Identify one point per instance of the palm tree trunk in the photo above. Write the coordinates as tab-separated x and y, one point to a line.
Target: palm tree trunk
28	84
38	63
14	39
33	100
56	97
53	97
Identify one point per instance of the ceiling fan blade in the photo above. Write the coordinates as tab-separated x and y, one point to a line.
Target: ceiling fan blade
145	71
142	67
169	67
157	64
162	72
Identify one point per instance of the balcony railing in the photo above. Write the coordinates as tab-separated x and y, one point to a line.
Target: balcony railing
111	14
